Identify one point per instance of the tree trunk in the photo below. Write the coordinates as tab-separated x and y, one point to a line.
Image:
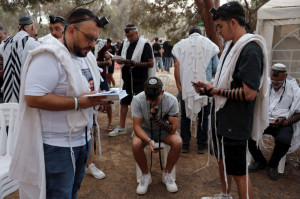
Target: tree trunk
204	6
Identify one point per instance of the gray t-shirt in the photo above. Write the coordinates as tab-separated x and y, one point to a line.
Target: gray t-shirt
141	109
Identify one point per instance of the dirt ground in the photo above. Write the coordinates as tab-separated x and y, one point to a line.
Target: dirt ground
119	166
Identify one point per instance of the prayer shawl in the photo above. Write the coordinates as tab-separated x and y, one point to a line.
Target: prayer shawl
28	164
15	51
261	110
193	54
295	108
138	51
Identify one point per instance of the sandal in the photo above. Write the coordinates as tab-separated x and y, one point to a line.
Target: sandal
110	127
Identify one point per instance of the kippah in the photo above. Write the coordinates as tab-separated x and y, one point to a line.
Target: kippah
153	82
279	67
1	27
23	21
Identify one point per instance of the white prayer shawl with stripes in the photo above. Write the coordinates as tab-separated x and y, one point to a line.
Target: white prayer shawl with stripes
15	51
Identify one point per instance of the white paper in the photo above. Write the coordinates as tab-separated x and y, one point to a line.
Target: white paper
110	95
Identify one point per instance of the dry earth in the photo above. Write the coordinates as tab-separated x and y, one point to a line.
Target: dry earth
118	163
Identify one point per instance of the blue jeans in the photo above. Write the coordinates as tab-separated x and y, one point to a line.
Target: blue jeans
168	62
159	59
185	126
61	182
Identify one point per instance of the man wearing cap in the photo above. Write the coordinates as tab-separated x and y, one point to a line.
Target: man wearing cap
57	26
284	116
196	58
55	116
155	119
137	66
15	51
240	95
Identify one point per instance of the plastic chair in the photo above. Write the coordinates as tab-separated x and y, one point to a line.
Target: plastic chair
166	149
8	115
165	79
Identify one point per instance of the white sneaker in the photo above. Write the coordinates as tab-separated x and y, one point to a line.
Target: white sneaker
94	171
168	180
145	180
117	131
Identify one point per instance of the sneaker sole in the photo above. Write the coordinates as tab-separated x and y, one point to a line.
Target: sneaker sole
119	133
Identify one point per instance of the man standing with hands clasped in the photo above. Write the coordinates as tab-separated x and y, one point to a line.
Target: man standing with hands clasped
55	117
240	95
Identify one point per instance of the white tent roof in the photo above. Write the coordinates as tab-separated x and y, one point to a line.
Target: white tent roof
279	9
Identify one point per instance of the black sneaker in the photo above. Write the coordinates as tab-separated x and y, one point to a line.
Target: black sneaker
185	149
256	166
202	149
273	173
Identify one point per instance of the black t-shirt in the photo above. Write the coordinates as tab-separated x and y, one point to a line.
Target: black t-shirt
235	119
112	50
156	49
167	49
139	75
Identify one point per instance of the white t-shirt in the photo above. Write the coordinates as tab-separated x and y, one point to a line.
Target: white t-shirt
45	75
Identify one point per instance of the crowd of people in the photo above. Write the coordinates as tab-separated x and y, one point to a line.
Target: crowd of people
236	98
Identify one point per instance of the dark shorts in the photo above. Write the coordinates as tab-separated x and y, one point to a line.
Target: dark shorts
137	88
235	155
111	68
104	85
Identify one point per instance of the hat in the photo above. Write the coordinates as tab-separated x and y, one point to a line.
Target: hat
55	19
153	87
23	21
1	27
279	67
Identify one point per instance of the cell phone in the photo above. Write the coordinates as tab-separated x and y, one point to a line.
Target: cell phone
195	84
157	148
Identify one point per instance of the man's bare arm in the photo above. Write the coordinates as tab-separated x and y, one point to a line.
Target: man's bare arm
177	76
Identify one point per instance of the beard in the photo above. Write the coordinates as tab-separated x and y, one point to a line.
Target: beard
78	50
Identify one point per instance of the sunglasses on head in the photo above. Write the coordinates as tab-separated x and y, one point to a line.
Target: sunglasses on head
101	22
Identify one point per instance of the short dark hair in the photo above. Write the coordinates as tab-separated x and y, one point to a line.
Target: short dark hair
57	19
228	11
195	30
108	40
156	38
80	13
153	87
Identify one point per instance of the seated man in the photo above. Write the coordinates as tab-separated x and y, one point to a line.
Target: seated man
284	111
155	119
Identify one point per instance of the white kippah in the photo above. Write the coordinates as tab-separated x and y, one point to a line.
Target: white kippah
152	81
279	67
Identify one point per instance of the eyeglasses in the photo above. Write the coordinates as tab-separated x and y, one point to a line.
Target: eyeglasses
89	38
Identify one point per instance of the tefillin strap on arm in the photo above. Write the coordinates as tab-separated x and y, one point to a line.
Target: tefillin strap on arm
237	94
142	65
161	123
293	119
103	63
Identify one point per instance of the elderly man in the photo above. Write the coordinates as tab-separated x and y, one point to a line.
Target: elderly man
55	117
15	51
137	67
159	125
284	114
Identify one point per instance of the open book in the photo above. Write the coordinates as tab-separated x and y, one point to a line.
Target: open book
110	95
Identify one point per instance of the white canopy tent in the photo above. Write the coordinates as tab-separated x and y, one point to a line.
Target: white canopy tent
278	21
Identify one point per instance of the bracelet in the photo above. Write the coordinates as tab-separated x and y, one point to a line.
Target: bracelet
76	103
149	141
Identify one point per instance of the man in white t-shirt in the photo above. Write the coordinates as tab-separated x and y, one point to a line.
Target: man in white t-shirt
155	119
53	108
